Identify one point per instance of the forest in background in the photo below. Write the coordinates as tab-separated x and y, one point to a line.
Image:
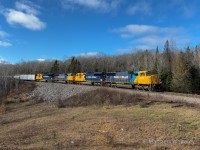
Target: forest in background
179	69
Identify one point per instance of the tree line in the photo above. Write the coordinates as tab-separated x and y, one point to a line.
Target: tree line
178	69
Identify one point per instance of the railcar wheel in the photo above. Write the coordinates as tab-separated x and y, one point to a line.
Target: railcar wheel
110	84
143	87
150	87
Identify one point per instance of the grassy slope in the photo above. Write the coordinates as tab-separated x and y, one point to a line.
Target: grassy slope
44	126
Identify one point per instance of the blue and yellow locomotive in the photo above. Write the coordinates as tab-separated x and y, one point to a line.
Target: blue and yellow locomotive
144	80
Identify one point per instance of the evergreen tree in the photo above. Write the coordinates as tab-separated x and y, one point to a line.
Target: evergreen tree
156	64
75	66
182	77
166	71
146	60
55	67
96	66
167	57
188	55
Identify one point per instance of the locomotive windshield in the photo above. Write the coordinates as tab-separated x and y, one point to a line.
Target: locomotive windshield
149	73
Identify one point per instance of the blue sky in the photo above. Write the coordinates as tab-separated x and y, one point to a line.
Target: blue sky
58	29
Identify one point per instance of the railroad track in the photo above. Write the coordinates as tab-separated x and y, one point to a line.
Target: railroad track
155	96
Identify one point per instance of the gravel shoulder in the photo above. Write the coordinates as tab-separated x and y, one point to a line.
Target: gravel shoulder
58	91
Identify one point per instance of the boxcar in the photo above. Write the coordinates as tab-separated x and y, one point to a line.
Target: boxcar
27	77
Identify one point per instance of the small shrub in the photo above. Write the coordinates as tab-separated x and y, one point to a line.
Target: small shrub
37	100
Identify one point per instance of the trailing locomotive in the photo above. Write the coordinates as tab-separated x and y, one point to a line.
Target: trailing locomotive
144	80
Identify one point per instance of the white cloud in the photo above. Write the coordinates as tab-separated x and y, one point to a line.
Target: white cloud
5	44
152	40
138	30
28	9
141	7
146	37
90	54
40	59
25	16
98	5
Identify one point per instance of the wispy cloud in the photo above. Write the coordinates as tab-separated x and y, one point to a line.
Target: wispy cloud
2	60
181	8
140	7
90	54
3	34
146	36
149	42
124	50
138	30
3	41
189	11
27	7
97	5
5	44
25	15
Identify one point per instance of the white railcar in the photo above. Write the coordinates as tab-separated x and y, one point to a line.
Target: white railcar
28	77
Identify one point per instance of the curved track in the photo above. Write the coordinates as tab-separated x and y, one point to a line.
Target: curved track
170	97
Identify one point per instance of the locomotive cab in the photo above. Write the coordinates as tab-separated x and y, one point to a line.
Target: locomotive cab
147	80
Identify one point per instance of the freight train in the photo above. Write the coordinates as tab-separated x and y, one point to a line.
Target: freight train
143	80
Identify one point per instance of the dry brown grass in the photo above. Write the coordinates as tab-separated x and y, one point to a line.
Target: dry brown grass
2	108
20	94
103	119
44	126
106	98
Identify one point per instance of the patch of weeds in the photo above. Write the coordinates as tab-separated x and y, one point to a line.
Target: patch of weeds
50	138
103	97
2	108
60	103
106	134
184	126
145	104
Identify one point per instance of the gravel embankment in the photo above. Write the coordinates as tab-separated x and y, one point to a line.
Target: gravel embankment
56	91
